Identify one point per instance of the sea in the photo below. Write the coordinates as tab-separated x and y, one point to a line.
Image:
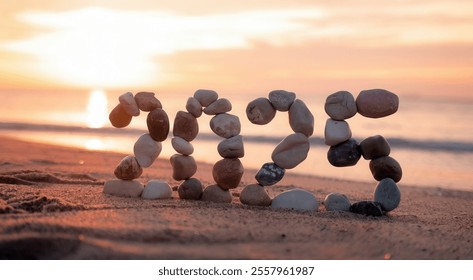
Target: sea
431	138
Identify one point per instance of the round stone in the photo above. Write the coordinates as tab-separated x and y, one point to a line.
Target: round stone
344	154
336	132
190	189
367	208
227	173
219	106
386	167
146	150
377	103
225	125
185	126
128	169
183	167
205	96
231	147
158	124
269	174
147	102
260	111
255	195
129	104
157	189
375	147
214	193
291	151
182	146
337	202
340	105
301	119
387	194
119	118
194	107
281	99
295	199
124	188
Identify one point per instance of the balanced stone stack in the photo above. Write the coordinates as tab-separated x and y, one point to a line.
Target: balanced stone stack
345	151
289	153
146	149
227	172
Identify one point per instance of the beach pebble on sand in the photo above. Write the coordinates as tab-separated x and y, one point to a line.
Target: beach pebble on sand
205	96
386	167
190	189
225	125
291	151
129	104
340	105
375	147
344	154
124	188
185	126
227	173
336	132
219	106
377	103
128	169
260	111
337	202
147	102
367	208
214	193
255	195
183	167
146	150
296	199
157	189
194	107
182	146
119	118
300	118
158	124
281	99
231	147
387	194
269	174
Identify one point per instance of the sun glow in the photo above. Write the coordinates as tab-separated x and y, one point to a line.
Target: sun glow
97	113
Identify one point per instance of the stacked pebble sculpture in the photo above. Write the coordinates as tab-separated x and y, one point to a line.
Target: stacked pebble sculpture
227	172
345	151
146	149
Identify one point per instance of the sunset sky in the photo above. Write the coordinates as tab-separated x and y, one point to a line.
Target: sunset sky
418	47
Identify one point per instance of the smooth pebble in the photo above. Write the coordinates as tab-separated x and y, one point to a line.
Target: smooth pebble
387	194
147	102
281	99
377	103
291	151
227	173
214	193
194	107
301	119
219	106
157	189
182	146
191	189
146	150
260	111
232	147
124	188
344	154
375	147
340	105
367	208
205	96
336	132
183	167
337	202
386	167
158	124
129	104
296	199
255	195
128	169
119	118
269	174
185	126
225	125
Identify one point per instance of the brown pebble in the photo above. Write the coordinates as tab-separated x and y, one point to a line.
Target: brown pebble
375	147
231	147
225	125
386	167
119	118
128	169
281	99
194	107
377	103
291	151
255	195
147	102
260	111
185	126
183	167
227	173
301	119
158	124
219	106
190	189
205	96
214	193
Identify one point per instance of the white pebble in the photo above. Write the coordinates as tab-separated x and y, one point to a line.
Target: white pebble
157	189
295	199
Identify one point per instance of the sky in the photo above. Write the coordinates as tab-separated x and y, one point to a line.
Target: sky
417	48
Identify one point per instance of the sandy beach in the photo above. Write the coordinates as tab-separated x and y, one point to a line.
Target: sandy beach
52	207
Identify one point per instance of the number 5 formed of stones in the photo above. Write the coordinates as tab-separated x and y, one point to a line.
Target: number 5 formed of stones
289	153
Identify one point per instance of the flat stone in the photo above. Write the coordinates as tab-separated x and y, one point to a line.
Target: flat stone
124	188
375	147
146	150
336	132
129	104
367	208
225	125
158	124
291	151
301	119
205	96
214	193
387	194
147	102
281	99
194	107
269	174
185	126
344	154
386	167
183	167
227	173
157	189
219	106
232	147
182	146
377	103
119	118
337	202
260	111
128	169
295	199
190	189
255	195
340	105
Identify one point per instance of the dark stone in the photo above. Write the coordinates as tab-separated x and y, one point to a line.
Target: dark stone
347	153
158	124
386	167
375	147
387	194
269	174
190	189
367	208
185	126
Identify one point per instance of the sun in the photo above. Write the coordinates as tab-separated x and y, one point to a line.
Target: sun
97	114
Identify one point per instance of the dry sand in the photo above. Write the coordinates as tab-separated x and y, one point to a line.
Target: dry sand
52	207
